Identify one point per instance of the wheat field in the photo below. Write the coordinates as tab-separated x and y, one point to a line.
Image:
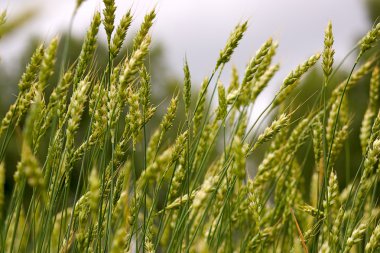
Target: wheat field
95	175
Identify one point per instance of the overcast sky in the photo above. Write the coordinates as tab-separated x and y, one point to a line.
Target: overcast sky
199	28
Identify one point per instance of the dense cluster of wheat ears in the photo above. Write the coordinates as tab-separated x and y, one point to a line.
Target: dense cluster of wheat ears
143	191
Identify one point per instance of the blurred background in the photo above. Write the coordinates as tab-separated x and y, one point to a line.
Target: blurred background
197	30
